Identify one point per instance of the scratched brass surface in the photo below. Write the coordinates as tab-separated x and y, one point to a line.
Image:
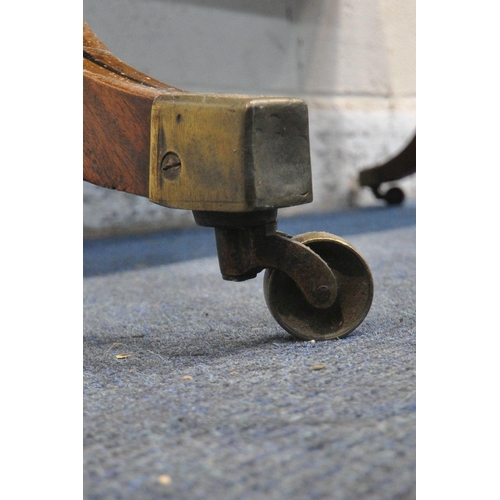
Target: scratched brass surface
229	153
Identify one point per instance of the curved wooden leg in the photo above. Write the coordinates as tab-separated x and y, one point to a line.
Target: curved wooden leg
117	103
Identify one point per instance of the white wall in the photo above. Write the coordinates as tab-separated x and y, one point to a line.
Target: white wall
353	61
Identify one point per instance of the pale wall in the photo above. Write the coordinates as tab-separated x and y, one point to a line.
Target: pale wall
353	61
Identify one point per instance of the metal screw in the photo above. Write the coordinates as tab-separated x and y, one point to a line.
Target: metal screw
171	166
322	293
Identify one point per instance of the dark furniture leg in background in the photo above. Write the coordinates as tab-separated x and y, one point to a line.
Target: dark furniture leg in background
402	165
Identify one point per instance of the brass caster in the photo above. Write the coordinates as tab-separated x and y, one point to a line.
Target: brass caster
354	292
393	196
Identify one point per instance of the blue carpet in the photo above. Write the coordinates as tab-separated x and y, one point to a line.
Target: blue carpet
213	400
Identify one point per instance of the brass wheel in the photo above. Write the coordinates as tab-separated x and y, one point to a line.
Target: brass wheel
354	294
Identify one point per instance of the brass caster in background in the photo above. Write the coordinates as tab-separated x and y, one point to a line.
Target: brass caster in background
393	196
401	165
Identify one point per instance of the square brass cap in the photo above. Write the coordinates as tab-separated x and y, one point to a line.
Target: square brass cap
229	153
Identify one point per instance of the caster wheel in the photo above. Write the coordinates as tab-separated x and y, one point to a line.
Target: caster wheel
291	310
394	196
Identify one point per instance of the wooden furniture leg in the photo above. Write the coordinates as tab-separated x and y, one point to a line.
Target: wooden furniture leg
233	161
402	165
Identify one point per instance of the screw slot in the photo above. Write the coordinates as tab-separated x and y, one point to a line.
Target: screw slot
171	166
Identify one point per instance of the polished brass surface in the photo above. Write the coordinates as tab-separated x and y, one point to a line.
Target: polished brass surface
229	153
354	286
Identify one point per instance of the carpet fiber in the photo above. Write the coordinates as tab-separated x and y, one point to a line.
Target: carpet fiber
192	390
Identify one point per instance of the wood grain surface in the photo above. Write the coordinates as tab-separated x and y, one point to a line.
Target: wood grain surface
117	101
